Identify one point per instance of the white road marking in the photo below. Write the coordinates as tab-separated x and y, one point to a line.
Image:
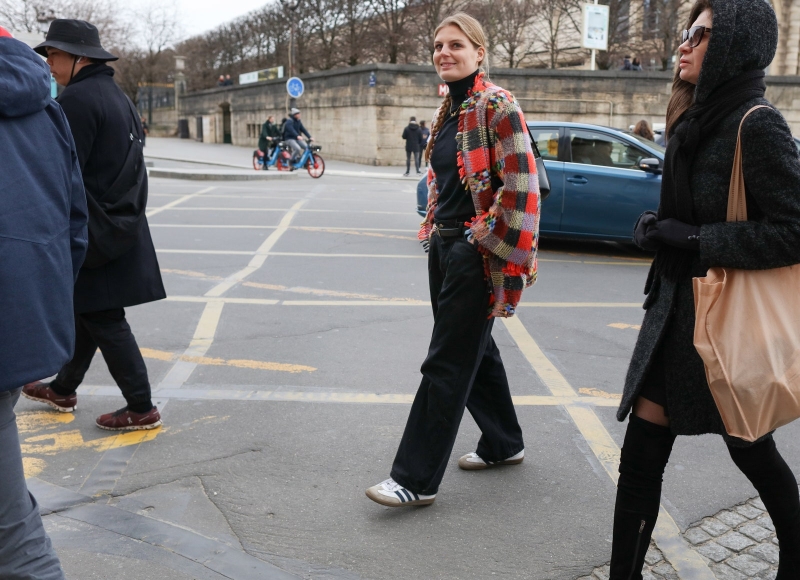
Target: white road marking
260	255
172	204
667	534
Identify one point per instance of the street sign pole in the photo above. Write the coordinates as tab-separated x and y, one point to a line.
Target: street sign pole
594	53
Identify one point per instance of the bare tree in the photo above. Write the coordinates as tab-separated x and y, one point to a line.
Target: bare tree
357	19
428	15
661	28
516	38
104	14
145	59
624	32
391	19
557	29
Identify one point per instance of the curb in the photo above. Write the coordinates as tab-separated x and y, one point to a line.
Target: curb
339	172
219	175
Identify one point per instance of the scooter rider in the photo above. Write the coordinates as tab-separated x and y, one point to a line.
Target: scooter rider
293	133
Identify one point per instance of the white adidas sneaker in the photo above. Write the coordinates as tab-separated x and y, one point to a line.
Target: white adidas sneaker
392	494
473	462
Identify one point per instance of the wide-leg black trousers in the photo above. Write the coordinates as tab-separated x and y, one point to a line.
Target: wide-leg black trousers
463	369
109	331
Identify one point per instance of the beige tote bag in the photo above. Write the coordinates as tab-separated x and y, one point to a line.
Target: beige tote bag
748	334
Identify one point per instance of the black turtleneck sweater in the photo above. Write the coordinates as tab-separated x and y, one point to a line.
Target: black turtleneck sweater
455	201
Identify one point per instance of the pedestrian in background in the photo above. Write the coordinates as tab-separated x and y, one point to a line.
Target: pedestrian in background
228	82
121	268
145	130
413	137
636	64
221	81
426	134
474	247
626	63
268	139
724	52
43	240
643	129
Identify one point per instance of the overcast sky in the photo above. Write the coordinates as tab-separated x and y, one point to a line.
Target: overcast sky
200	15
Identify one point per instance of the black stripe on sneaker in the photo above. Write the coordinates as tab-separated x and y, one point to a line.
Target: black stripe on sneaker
401	496
407	493
416	497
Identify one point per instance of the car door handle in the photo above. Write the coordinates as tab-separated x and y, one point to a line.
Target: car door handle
578	180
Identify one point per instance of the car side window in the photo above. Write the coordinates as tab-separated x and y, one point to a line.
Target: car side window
546	140
593	148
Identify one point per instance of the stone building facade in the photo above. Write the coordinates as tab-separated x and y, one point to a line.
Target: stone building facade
357	122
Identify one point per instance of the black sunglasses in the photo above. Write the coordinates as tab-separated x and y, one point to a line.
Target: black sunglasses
694	35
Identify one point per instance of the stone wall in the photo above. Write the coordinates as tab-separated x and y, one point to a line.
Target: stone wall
363	124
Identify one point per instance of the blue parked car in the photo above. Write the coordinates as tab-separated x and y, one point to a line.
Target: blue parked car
601	180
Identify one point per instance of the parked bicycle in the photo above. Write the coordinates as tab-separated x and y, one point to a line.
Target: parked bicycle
281	158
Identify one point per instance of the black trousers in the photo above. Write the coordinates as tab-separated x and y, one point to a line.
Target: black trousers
463	369
109	331
417	157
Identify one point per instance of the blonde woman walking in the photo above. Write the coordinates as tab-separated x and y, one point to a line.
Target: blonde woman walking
482	229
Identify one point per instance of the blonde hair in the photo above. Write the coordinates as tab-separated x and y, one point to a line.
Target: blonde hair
473	30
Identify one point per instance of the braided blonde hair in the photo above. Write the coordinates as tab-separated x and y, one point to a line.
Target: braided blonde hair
475	34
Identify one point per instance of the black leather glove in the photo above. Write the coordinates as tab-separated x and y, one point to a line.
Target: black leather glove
675	233
646	221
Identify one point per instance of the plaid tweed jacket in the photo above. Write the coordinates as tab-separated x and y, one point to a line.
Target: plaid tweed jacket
493	141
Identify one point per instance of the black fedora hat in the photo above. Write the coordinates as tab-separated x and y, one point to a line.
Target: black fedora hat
76	37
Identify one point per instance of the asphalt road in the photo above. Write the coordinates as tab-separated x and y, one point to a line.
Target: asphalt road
284	362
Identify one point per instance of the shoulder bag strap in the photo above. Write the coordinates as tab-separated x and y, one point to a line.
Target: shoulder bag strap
737	204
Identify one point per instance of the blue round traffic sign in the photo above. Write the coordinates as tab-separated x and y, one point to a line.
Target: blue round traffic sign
295	87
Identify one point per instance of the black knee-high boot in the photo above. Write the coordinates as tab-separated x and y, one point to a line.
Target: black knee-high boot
775	482
644	456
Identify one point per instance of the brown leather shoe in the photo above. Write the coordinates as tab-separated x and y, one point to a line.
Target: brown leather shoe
43	393
125	420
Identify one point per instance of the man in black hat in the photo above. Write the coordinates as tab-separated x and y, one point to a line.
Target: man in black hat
121	268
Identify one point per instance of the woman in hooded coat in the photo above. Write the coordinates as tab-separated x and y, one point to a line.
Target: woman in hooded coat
727	46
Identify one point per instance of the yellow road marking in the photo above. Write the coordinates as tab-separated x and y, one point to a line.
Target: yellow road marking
356	232
317	396
593	262
35	421
667	534
321	255
599	393
320	292
52	443
219	362
190	273
261	254
32	466
332	229
252	209
582	304
384	302
623	326
199	345
172	204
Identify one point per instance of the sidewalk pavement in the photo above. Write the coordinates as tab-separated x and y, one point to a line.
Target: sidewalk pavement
216	161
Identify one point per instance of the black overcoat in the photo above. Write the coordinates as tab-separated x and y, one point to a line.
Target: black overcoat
100	120
744	38
413	136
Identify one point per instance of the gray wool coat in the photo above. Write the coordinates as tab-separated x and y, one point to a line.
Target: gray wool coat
744	38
